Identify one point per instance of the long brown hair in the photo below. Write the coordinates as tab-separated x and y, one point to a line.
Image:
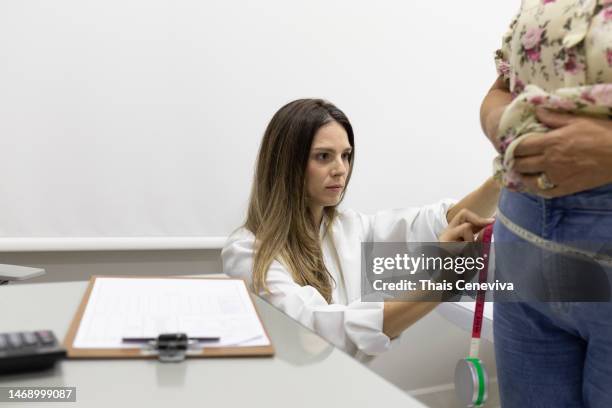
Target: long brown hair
279	214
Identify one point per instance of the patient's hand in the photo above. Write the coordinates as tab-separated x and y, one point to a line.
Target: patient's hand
463	227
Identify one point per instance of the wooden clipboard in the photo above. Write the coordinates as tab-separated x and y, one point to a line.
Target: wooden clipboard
233	351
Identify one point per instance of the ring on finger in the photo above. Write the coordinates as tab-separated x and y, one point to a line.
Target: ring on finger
544	182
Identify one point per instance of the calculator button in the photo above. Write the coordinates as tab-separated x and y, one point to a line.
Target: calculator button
30	339
3	342
14	340
46	337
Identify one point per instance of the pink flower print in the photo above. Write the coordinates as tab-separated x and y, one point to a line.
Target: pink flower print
532	38
557	102
533	54
513	181
607	14
606	2
609	56
537	100
519	86
503	69
507	138
503	146
586	96
602	94
571	65
548	1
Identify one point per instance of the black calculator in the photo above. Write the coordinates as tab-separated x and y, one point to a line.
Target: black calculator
29	351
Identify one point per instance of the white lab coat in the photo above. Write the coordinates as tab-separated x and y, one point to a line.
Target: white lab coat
348	323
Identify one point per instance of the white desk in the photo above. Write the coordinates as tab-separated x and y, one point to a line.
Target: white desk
306	371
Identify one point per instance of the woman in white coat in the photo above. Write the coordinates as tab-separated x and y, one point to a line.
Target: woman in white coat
302	254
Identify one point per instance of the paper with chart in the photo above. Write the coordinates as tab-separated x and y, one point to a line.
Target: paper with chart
124	307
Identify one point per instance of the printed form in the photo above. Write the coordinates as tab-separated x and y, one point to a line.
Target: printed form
145	308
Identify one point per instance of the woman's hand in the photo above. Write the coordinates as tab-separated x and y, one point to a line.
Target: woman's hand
400	315
464	226
576	155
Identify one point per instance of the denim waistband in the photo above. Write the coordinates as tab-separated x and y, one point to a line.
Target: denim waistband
597	199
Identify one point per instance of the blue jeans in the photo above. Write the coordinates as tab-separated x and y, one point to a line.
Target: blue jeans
554	354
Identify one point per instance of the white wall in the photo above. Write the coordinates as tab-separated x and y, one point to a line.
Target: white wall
142	118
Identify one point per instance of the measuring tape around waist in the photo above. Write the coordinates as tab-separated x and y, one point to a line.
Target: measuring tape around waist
552	246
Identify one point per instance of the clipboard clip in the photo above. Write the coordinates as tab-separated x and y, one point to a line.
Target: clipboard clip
169	347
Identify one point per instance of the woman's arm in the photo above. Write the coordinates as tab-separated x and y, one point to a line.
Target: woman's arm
482	201
399	315
492	108
357	323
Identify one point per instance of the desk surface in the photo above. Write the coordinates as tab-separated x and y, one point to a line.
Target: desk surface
306	371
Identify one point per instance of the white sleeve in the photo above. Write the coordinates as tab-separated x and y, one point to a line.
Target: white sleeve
352	327
421	224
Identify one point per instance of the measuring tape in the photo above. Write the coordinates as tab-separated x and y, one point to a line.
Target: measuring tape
471	378
551	246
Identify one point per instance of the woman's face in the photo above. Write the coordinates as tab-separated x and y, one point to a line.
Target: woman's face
328	165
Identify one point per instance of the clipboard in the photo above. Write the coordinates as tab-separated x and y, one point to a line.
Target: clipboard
133	353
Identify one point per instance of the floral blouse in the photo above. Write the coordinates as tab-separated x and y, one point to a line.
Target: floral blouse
557	54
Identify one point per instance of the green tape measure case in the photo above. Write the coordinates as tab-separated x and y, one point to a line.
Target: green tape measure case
471	382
